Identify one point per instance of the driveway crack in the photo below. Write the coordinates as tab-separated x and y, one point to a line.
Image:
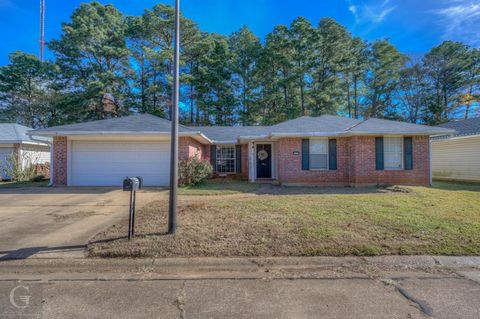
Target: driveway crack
181	300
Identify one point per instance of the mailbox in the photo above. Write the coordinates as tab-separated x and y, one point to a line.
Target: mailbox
132	184
140	182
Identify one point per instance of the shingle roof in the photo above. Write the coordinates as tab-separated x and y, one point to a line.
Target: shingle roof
306	124
138	123
379	126
464	127
325	125
14	133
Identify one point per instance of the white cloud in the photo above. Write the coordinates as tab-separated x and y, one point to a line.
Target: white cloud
460	21
372	12
352	9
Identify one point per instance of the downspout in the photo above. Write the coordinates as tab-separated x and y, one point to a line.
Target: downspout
50	183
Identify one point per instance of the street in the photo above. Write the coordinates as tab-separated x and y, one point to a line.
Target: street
320	287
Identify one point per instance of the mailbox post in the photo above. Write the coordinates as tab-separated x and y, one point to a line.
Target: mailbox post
132	184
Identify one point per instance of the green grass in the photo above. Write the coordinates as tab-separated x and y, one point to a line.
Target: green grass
6	185
220	187
442	220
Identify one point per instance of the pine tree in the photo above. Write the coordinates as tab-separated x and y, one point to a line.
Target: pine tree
93	56
245	48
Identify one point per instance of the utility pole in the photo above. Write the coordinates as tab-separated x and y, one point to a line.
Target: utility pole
172	206
42	29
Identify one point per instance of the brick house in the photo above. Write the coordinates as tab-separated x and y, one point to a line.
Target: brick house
325	150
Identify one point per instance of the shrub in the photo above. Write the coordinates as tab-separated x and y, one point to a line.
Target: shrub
21	168
193	171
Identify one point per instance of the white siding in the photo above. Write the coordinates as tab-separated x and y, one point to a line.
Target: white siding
36	154
456	159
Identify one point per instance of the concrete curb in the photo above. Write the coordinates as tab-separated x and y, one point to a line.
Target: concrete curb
251	262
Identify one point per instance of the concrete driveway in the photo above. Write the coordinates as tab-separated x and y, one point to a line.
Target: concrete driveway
52	220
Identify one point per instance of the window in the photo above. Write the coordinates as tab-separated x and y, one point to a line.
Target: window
318	153
226	159
393	152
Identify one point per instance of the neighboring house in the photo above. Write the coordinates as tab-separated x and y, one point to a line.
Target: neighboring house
458	157
14	140
325	150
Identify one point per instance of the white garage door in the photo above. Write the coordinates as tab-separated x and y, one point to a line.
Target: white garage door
107	163
5	152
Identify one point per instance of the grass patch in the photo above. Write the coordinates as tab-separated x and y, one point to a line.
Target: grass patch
220	187
443	220
6	185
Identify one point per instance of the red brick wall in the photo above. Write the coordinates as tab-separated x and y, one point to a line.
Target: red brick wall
188	147
289	166
60	161
355	164
363	164
244	161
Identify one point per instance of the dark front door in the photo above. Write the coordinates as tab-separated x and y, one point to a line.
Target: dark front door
264	161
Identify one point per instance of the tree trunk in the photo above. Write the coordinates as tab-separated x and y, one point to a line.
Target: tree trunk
355	93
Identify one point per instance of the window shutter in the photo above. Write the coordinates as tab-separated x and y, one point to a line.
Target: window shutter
332	154
213	157
408	152
305	154
238	159
379	153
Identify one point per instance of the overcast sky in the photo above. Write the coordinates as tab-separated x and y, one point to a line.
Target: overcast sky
414	26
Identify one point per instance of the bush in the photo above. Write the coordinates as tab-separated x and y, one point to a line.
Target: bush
20	168
193	171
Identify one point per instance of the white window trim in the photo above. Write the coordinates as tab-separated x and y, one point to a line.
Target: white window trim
402	148
234	158
328	154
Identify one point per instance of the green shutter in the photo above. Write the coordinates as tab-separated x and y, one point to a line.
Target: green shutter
408	152
238	159
305	154
332	154
379	165
213	157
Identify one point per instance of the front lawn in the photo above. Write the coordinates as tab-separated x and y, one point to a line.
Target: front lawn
279	221
219	187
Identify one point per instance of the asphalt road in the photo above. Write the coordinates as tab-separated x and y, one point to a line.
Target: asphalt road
237	288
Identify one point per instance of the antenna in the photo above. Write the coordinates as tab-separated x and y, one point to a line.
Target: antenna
42	29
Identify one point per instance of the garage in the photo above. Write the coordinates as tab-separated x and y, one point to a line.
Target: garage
107	163
104	152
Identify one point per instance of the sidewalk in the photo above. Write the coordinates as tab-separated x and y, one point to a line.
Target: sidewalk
303	287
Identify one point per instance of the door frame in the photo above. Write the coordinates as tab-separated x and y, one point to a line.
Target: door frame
253	150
